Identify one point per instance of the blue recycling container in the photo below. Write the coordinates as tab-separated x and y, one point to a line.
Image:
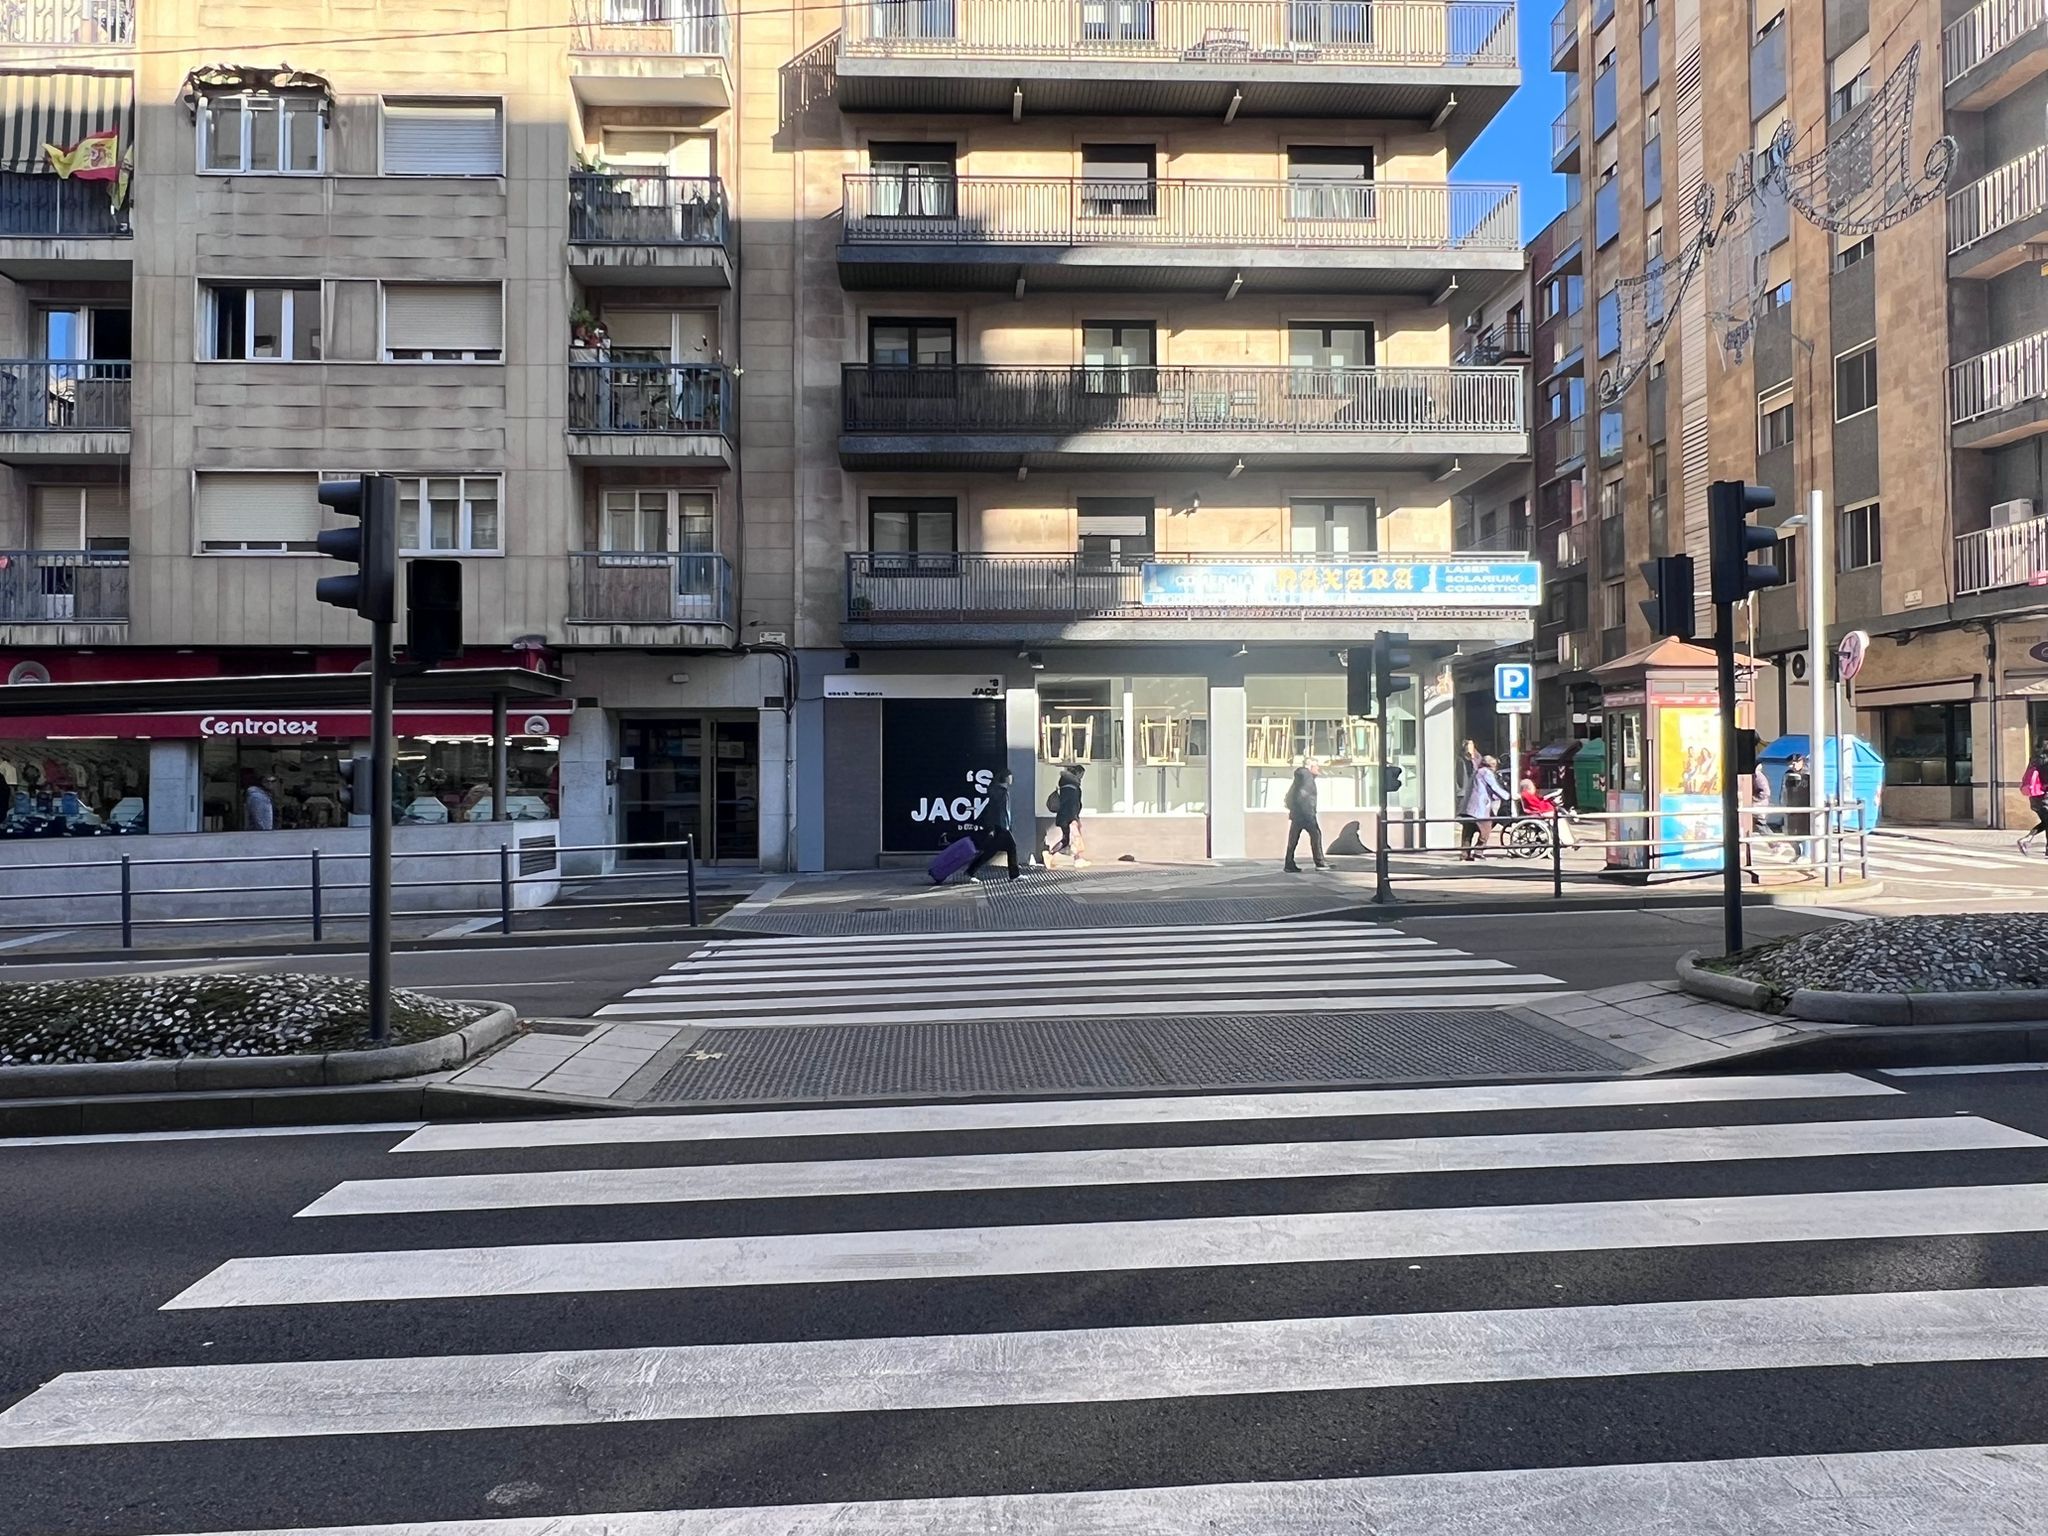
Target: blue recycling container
1866	774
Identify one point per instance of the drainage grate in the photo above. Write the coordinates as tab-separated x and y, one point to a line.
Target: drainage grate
564	1029
835	1061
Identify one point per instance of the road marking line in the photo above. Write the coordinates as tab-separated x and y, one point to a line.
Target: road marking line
105	1138
934	981
1161	1165
1184	933
1968	1070
1035	950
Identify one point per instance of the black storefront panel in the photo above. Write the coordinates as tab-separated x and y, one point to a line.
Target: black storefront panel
939	757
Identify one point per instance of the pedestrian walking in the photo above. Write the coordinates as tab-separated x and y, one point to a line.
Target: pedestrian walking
1468	770
996	833
259	802
1066	815
2034	785
1301	817
1763	824
1482	803
1798	792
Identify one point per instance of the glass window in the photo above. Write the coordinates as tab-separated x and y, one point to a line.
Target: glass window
1862	536
1927	744
1774	422
448	514
50	787
1613	604
448	778
1856	382
650	521
1117	181
279	324
911	179
1113	528
1339	344
247	783
261	135
1610	322
1290	719
1329	182
1856	250
1348	527
913	525
910	343
1142	741
1610	434
1786	558
1847	97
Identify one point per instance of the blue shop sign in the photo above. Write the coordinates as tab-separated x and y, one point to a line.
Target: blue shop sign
1344	583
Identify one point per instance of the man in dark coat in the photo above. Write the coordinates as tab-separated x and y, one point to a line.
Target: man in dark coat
1301	817
997	835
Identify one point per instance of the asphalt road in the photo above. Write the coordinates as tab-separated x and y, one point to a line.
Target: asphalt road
1830	1300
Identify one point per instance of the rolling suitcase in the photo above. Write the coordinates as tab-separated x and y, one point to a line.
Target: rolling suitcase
951	859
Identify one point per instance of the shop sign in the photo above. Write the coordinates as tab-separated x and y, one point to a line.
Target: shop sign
250	725
939	757
1342	584
258	725
910	685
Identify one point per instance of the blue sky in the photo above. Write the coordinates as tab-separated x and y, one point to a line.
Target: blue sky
1516	144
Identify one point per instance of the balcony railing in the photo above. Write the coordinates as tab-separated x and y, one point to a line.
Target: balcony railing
2015	555
1998	380
1572	543
979	588
1566	335
38	395
68	24
1503	341
647	208
1975	36
1564	33
986	399
2015	191
1564	135
664	398
631	587
1567	440
56	208
1456	33
700	28
886	209
63	586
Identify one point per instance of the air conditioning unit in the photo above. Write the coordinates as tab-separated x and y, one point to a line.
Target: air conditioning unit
2006	513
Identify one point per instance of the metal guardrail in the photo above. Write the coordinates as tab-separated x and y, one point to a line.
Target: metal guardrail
320	886
1998	380
664	398
699	29
63	586
34	206
632	587
1984	31
2016	190
985	398
42	395
2015	555
647	208
1469	34
885	208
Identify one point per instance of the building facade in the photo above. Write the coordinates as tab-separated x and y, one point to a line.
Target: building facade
1900	373
846	402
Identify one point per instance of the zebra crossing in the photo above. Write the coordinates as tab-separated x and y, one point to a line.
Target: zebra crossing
1912	856
1616	1307
1242	968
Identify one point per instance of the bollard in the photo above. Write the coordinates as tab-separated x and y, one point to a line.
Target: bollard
1383	887
1556	857
314	887
690	871
127	904
504	888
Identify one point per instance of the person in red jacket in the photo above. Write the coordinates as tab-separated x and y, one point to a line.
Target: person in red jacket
1535	805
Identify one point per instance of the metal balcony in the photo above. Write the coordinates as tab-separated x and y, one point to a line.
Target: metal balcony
63	586
2000	396
57	24
985	232
1991	50
630	590
1503	342
1564	139
648	228
1572	544
1564	36
63	412
986	417
2015	555
1993	220
652	413
1192	58
53	227
620	55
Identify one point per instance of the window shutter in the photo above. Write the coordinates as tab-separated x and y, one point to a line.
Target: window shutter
443	317
443	138
106	515
56	518
233	509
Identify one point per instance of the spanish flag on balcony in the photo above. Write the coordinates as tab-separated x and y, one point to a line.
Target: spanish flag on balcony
96	157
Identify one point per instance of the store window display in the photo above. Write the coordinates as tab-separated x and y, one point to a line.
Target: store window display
1143	740
248	784
448	778
1291	719
86	787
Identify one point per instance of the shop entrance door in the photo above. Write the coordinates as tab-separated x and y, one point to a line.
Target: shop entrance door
691	776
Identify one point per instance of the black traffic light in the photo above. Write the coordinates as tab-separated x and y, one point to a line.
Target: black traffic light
371	589
1670	607
1733	539
1390	661
433	610
1390	779
1358	700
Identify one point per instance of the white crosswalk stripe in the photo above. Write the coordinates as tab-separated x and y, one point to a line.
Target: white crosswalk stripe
1197	1271
1138	971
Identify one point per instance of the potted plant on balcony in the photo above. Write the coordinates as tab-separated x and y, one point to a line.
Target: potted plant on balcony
587	336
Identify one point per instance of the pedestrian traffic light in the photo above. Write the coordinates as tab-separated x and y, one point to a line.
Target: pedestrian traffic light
1358	699
1733	539
1670	607
371	589
433	610
1390	779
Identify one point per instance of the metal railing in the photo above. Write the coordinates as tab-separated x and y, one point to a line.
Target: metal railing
2016	190
1566	334
647	208
1503	340
67	24
1246	33
699	29
1998	380
653	587
892	209
124	900
57	208
1564	32
1984	30
39	395
663	398
983	398
2015	555
63	586
1573	541
1506	541
1567	440
1564	135
944	587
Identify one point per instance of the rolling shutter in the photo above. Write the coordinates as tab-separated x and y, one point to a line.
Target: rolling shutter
260	511
443	138
443	318
106	517
62	513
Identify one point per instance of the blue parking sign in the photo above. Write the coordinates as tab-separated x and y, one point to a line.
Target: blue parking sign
1514	682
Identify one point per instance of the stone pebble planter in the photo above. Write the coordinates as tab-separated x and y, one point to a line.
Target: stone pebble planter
1819	1006
170	1074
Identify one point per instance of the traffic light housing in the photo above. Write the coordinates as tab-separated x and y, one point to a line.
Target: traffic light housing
1671	606
1390	660
1733	539
371	589
1390	779
1358	699
433	610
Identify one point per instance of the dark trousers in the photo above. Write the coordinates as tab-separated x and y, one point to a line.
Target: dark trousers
2039	805
1295	827
990	844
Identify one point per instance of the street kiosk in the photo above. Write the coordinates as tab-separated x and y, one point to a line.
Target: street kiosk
1664	756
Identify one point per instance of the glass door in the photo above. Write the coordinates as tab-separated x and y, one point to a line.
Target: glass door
736	791
661	785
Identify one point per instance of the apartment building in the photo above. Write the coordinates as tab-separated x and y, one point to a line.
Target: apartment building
847	403
1901	372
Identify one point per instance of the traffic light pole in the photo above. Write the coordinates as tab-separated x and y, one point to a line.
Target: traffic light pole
1382	881
383	765
1731	826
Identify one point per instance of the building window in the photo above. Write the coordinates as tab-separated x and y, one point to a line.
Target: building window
444	323
1610	435
1846	98
1291	719
1340	344
49	788
1774	421
258	135
647	521
438	137
1143	741
1333	527
1613	604
913	526
1778	298
1861	250
1118	181
81	517
1928	744
1862	536
1786	558
914	180
448	514
1110	530
1856	382
1119	357
1660	471
1610	322
277	323
264	513
1329	182
1610	499
910	343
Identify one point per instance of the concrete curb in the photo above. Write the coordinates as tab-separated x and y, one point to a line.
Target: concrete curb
1849	1048
198	1074
1716	988
1890	1010
115	1114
